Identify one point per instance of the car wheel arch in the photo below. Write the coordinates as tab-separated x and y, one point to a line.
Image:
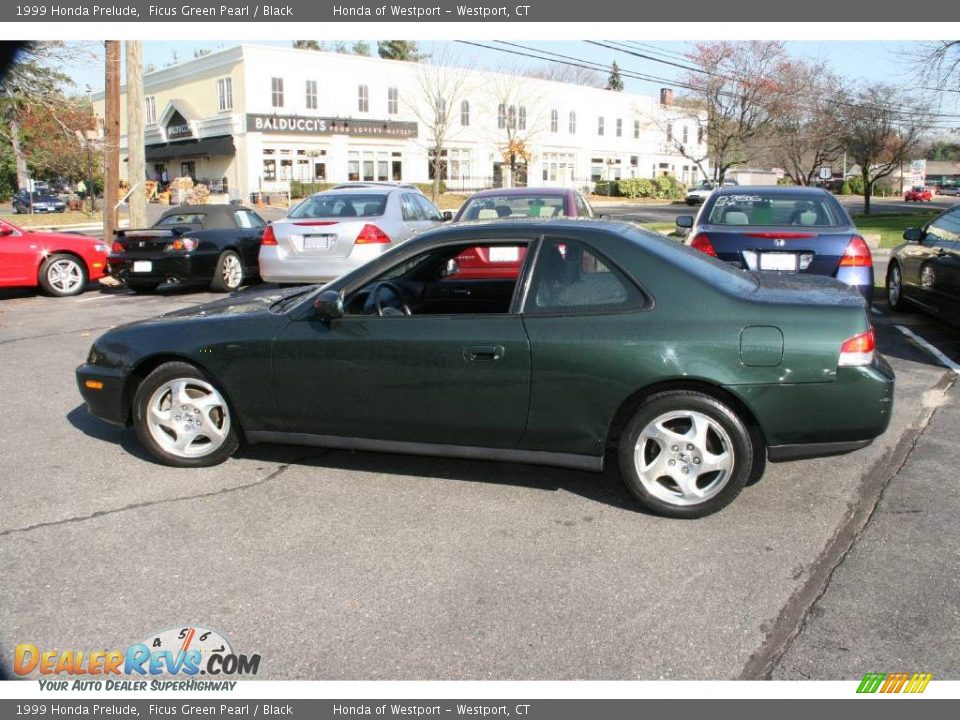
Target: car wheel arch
44	254
633	402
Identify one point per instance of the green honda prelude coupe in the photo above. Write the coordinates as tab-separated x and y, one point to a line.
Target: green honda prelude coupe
604	341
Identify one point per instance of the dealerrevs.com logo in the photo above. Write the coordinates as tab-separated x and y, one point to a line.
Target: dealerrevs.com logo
892	683
171	659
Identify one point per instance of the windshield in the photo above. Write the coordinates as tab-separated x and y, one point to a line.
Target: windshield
339	205
758	210
491	207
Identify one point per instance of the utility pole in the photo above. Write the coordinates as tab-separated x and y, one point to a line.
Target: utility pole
136	170
111	150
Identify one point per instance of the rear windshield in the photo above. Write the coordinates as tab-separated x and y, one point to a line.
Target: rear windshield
331	205
492	207
758	209
181	219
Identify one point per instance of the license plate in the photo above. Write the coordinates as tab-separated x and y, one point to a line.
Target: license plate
318	242
504	254
142	266
778	261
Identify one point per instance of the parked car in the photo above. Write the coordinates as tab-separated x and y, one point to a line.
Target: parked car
784	230
60	263
204	244
620	339
513	203
37	202
918	194
924	272
335	231
698	194
949	190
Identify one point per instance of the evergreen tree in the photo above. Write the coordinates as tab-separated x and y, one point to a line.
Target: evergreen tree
615	82
399	50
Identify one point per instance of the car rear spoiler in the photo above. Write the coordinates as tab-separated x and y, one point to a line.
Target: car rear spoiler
168	232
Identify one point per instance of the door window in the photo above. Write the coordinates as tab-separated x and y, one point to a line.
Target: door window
409	208
428	209
944	231
569	277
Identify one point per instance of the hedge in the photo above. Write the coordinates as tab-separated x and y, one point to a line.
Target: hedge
665	187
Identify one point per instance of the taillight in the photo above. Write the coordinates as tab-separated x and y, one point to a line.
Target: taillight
372	235
702	243
117	247
181	245
268	237
858	350
857	254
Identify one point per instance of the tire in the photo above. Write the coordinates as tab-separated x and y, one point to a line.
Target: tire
198	430
228	275
894	285
679	436
142	286
63	275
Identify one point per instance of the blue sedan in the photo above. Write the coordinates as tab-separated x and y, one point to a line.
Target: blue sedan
782	229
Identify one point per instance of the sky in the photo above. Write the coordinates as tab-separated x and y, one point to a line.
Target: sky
868	61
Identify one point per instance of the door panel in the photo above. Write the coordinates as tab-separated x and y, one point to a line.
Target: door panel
414	379
18	258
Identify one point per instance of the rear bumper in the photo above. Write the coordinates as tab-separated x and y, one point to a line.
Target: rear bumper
815	419
189	266
279	265
106	402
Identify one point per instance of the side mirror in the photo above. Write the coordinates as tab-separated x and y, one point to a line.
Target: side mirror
685	221
451	268
447	215
913	234
329	305
4	231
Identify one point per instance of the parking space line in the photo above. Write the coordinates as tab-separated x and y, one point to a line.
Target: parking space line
944	360
101	297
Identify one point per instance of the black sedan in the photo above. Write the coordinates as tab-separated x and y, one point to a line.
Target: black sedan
38	202
924	272
212	244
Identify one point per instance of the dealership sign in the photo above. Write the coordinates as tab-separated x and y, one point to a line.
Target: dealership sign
296	125
178	128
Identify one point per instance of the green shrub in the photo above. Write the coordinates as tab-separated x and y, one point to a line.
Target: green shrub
427	187
856	185
669	188
300	189
607	187
845	188
636	187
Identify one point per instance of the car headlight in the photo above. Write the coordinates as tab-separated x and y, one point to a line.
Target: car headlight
181	245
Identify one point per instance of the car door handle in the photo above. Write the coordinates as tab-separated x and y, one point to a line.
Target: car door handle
461	291
481	353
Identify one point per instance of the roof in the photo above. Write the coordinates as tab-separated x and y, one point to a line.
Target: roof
792	190
215	216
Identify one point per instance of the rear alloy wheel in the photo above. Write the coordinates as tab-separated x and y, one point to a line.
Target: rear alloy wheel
895	288
685	454
63	275
228	275
182	419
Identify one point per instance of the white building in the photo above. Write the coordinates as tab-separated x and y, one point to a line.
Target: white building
254	118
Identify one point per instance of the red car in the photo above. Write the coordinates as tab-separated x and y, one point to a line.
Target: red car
918	194
60	263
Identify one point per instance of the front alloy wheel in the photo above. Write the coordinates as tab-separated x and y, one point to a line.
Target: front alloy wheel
182	419
63	275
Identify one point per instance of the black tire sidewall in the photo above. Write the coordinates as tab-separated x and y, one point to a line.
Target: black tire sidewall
899	305
45	283
164	373
218	284
686	400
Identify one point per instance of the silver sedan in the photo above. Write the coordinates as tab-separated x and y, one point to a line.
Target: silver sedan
333	232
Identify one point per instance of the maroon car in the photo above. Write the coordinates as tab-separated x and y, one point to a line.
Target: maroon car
511	203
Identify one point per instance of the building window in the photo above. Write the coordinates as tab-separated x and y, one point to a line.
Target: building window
150	109
353	166
596	169
523	117
619	127
276	92
573	123
464	113
669	132
512	116
636	129
502	116
270	170
685	134
600	124
441	114
311	94
554	121
699	136
224	94
363	98
393	101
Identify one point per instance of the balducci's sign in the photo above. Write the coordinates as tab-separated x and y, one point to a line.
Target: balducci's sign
178	128
296	125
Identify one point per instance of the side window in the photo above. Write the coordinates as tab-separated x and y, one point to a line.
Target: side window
248	220
583	210
428	209
944	231
409	209
570	277
487	262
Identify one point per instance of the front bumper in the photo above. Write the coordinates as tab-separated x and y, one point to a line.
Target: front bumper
103	391
818	419
180	267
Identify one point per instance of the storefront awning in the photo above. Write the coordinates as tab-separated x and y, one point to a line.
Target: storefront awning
221	145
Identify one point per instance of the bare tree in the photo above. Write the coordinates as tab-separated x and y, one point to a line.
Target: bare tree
572	74
520	113
938	63
441	88
882	128
666	119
